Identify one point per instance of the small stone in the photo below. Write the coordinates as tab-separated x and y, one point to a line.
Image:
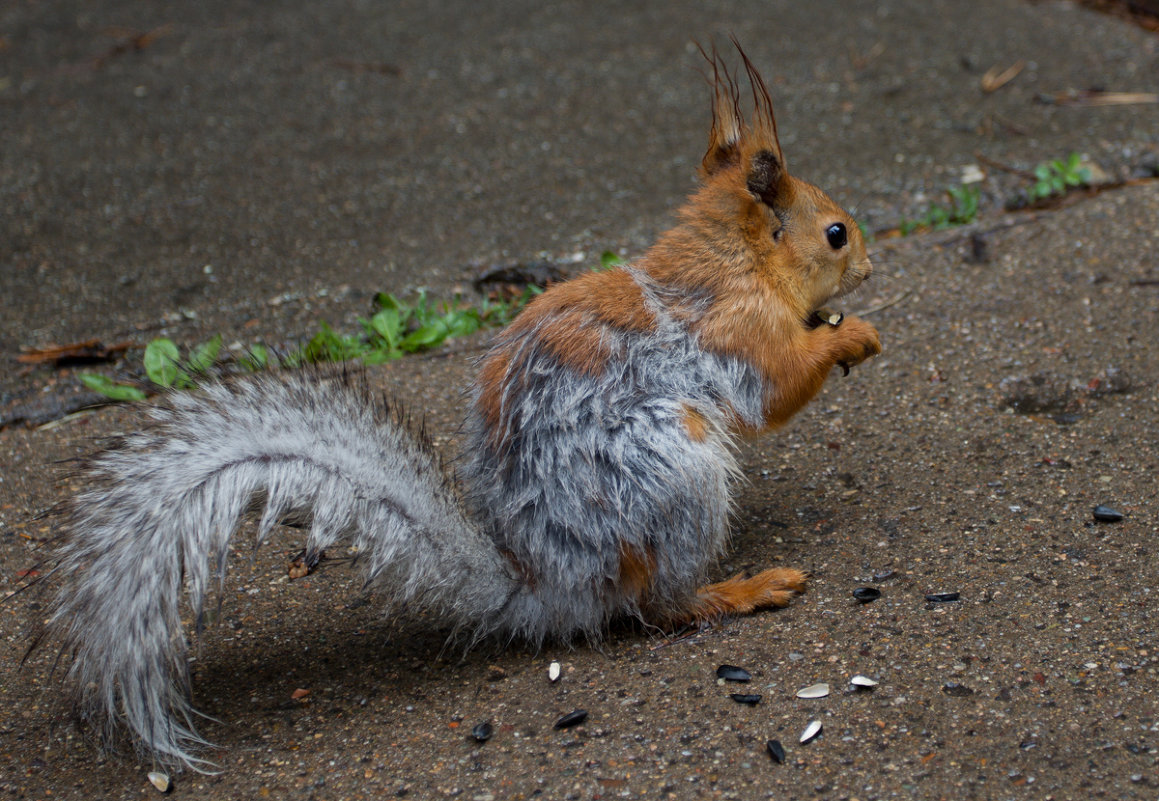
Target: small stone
160	781
743	698
1105	514
942	597
814	691
733	673
866	594
482	732
776	751
811	731
496	673
571	719
955	690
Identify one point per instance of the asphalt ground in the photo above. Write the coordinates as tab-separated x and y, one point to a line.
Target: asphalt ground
311	156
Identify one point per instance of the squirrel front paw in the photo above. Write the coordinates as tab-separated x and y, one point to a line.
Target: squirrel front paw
858	341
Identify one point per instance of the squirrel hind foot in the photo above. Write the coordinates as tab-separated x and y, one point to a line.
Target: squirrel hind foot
741	596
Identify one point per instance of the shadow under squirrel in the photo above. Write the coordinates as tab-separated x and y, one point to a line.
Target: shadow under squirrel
598	472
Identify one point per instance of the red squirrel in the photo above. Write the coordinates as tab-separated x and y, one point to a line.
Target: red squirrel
598	471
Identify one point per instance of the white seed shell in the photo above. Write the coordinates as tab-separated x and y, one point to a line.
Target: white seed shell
862	681
811	731
159	780
814	691
553	671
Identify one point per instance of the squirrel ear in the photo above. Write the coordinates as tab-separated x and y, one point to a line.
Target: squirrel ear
727	123
766	177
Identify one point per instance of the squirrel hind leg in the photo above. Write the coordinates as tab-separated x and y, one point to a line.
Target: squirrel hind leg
741	596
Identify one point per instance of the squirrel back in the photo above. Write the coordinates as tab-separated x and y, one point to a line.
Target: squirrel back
598	471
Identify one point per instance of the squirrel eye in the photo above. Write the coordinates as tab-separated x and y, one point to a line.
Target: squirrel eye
836	235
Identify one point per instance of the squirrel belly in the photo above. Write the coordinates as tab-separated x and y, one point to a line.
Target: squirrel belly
598	472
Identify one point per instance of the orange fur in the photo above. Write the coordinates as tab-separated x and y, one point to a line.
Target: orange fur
635	576
695	423
741	596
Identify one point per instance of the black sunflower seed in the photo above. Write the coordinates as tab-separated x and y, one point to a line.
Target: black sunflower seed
572	719
1105	514
776	751
732	673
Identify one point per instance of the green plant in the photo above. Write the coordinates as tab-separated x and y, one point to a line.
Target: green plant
962	209
163	367
394	330
1055	177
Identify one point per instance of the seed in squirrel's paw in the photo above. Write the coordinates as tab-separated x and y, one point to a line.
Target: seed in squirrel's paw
827	317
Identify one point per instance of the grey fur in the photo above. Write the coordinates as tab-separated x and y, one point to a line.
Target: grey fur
592	465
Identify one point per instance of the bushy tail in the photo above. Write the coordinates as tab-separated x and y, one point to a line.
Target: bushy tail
162	506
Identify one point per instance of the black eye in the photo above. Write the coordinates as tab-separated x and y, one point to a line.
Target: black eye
836	235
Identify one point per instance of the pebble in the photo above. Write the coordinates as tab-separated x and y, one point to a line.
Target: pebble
1105	514
732	673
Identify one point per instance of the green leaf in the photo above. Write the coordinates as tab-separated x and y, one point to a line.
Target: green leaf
161	357
203	356
381	355
388	324
425	337
110	388
608	260
385	300
256	358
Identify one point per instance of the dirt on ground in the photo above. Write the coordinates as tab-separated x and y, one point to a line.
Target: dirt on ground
254	169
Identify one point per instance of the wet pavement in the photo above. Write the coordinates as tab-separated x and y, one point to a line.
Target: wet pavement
254	169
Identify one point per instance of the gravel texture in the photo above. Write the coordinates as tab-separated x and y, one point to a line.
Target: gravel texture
314	154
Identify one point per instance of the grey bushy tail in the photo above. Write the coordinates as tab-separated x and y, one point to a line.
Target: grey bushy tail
163	505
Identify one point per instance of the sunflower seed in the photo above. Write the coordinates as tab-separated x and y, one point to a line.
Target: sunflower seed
866	594
776	751
863	681
814	691
482	733
732	673
1105	514
942	597
811	731
159	780
553	671
571	719
742	698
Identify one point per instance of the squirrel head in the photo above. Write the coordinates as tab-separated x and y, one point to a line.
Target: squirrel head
760	219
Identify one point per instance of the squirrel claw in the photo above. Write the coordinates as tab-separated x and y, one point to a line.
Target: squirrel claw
844	366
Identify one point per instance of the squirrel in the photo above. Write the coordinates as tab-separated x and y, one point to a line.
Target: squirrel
598	469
